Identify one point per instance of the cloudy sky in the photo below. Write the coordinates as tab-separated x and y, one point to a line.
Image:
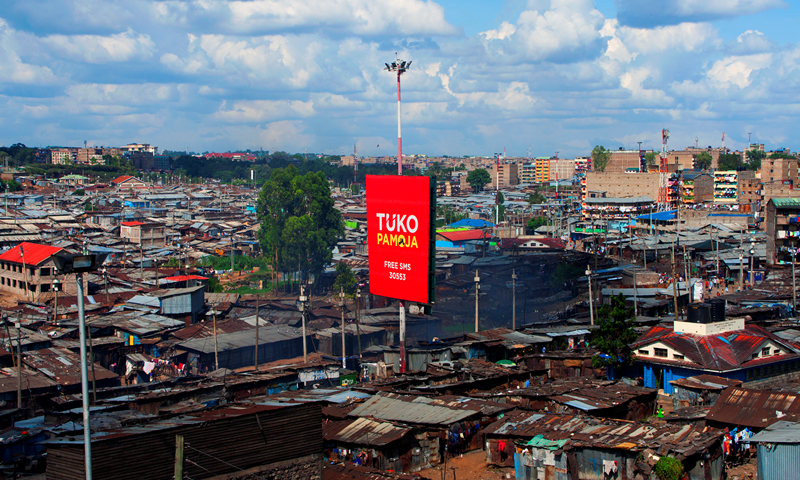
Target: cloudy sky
296	75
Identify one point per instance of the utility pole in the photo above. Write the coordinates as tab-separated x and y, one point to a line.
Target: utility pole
513	299
635	297
87	432
141	264
257	322
674	283
56	288
91	362
477	293
216	353
344	357
358	320
19	364
303	309
591	301
794	287
179	457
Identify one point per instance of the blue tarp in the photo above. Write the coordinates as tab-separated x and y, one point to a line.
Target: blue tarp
471	223
659	216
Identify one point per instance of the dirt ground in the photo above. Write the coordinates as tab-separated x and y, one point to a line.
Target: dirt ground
747	471
472	466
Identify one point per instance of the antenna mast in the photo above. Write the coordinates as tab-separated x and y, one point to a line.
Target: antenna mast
663	203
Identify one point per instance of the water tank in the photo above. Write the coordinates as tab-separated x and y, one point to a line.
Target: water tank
718	310
699	313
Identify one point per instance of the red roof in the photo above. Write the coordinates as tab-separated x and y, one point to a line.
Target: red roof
34	253
121	179
552	242
183	278
720	352
461	235
132	224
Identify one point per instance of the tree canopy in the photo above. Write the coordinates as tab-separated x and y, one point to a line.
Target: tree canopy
536	198
729	161
478	178
345	280
754	158
703	161
299	224
616	332
600	158
650	158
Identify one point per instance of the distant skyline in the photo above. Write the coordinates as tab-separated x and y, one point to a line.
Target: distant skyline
291	75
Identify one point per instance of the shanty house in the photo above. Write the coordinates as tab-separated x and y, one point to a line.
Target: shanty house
145	234
778	450
726	348
28	271
380	445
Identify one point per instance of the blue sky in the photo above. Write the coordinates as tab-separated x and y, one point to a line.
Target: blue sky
300	75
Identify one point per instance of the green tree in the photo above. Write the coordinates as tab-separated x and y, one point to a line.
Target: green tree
478	178
344	279
615	334
754	158
729	161
650	158
668	468
213	285
501	209
10	185
79	192
600	158
536	198
534	223
780	155
299	224
703	161
564	273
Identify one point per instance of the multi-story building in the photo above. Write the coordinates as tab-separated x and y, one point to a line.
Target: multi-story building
561	169
527	173
783	229
152	234
63	156
542	172
621	184
583	164
162	162
141	160
139	147
508	174
90	156
693	152
28	271
697	188
773	169
726	186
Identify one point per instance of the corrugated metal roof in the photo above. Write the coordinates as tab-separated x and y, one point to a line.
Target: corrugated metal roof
786	202
403	408
779	432
363	431
754	408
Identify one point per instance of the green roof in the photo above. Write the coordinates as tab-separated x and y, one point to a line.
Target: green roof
786	202
540	441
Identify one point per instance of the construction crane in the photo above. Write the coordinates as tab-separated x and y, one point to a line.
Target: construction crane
663	202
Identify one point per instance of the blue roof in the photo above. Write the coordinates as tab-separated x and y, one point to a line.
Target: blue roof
472	223
659	216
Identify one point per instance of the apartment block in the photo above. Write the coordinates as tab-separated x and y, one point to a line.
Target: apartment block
621	185
508	175
697	188
561	169
139	147
152	234
527	173
90	156
63	156
783	229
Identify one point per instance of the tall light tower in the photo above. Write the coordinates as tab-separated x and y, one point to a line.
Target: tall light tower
663	203
400	67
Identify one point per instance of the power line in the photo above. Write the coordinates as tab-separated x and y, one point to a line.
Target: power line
215	458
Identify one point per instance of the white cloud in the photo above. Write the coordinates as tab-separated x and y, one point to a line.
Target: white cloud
358	17
102	49
505	31
13	69
260	110
633	81
736	71
685	36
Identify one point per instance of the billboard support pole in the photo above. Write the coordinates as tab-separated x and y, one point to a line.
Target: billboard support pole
402	337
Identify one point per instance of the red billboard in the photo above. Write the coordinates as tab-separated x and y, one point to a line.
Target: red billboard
400	216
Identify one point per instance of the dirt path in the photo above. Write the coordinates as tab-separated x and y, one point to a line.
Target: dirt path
472	466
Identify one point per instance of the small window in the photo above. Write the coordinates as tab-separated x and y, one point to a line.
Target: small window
755	355
777	351
660	352
677	357
644	352
765	352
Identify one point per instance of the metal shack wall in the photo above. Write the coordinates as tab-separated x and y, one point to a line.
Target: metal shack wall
590	462
778	461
